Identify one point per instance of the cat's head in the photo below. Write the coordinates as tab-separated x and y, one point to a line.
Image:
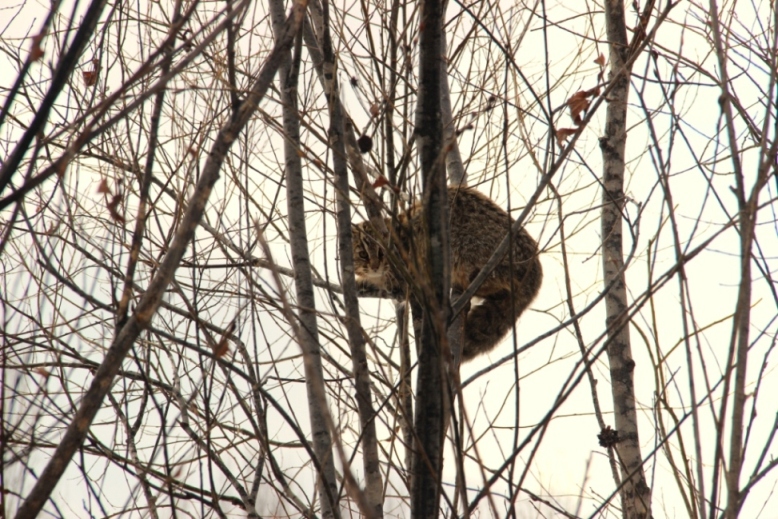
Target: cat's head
369	256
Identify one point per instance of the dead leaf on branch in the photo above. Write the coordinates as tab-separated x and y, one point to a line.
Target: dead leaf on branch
36	49
579	103
114	203
102	187
90	76
222	348
601	62
381	181
562	134
113	208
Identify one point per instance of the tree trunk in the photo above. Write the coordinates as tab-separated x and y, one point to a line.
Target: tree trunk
298	240
636	495
337	138
430	419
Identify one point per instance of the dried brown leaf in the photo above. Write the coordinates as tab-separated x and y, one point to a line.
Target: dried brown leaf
36	49
90	77
578	102
562	134
380	182
222	348
113	208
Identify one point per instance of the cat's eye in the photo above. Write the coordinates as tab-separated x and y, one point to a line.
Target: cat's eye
363	255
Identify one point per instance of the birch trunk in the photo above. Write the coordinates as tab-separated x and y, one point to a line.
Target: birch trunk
635	493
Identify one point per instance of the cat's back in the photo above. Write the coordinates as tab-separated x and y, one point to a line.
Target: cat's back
477	224
472	211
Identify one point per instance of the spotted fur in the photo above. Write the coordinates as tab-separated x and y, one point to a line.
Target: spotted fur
477	227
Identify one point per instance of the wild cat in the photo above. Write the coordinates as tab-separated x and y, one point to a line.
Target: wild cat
477	226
